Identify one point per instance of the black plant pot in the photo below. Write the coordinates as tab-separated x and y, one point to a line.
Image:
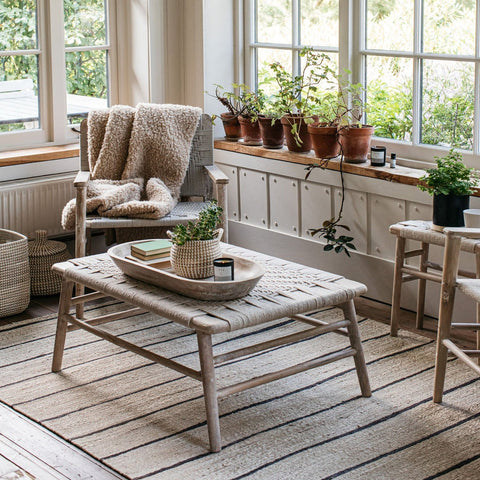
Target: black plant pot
448	210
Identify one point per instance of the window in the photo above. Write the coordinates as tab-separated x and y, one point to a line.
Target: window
56	61
417	59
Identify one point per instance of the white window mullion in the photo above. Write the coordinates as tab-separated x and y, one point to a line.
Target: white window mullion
296	18
476	112
417	72
57	92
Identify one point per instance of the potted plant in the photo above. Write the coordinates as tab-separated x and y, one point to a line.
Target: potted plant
451	182
324	134
235	108
253	103
196	245
299	97
354	136
271	127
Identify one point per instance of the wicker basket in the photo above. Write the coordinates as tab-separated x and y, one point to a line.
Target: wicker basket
14	273
194	259
43	254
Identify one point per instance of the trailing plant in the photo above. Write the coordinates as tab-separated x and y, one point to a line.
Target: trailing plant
450	177
328	230
203	229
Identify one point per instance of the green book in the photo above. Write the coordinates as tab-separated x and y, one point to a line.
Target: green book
153	247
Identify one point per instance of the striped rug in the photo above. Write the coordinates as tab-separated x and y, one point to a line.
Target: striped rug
148	422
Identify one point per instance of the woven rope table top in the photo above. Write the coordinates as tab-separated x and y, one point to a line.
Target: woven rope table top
285	290
421	231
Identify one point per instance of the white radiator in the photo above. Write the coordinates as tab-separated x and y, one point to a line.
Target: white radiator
36	203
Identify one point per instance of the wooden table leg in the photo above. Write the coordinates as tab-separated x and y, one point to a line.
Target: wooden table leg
356	343
209	390
62	323
397	285
422	283
477	260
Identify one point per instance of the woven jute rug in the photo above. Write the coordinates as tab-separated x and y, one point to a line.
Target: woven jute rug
146	421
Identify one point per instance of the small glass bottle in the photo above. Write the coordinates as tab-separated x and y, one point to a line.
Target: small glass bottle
393	160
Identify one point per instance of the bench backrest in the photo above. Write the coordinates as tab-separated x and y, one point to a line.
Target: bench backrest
196	183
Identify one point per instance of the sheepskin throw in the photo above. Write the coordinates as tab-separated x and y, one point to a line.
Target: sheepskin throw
138	159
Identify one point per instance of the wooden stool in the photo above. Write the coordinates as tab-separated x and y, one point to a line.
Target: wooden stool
421	231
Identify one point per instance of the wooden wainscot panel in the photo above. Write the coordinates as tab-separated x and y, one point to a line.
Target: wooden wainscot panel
384	211
284	205
253	197
316	206
354	216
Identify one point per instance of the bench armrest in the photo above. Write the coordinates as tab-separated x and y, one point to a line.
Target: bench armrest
217	176
81	179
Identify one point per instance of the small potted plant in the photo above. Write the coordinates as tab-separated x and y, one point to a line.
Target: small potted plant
354	136
324	134
299	97
235	108
451	184
253	104
196	245
271	127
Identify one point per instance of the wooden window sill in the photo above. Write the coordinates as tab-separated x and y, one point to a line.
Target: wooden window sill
403	175
18	157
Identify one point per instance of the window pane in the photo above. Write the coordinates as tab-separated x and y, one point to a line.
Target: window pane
319	23
390	97
274	21
449	26
448	102
266	56
18	24
84	22
19	93
390	25
86	82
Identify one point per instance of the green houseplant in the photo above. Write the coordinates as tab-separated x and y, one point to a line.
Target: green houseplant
234	107
354	136
451	182
300	98
196	244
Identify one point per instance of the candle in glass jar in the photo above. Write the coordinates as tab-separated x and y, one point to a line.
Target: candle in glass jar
223	269
377	156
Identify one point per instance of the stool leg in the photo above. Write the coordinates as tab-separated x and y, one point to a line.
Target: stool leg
356	343
422	283
397	285
62	323
209	390
477	259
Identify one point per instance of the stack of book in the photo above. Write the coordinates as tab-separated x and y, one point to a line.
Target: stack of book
152	252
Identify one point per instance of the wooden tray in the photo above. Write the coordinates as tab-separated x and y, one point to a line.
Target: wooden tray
247	274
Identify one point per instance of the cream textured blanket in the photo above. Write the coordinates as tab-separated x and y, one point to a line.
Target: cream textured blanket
138	159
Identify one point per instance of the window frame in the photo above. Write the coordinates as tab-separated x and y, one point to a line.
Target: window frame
54	129
352	56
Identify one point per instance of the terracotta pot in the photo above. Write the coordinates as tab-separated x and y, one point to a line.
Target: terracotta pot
272	135
355	142
305	144
250	131
231	125
324	140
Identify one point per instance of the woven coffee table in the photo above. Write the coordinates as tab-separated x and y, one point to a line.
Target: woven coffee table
287	290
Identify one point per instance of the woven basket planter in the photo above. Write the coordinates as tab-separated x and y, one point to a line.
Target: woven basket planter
43	254
195	258
14	273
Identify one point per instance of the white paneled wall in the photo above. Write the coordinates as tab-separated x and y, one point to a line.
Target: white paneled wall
272	206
